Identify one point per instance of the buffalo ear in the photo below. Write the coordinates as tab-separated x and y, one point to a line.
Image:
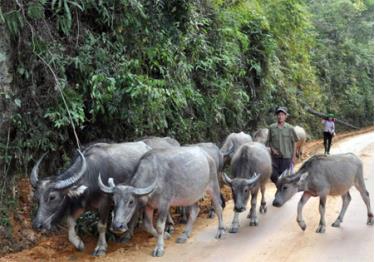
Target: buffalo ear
76	191
301	182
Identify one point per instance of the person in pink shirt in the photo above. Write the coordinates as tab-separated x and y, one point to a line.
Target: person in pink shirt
328	132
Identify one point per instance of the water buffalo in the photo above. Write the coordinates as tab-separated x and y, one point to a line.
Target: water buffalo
214	152
233	142
322	176
251	167
161	143
301	135
76	189
261	135
183	175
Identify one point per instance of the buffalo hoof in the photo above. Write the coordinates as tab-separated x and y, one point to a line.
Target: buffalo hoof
370	221
158	252
234	229
321	229
253	222
80	246
182	239
336	223
124	238
99	251
220	233
302	225
263	209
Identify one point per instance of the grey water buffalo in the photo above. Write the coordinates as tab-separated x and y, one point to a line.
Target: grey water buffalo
214	152
156	142
301	135
251	168
232	143
160	142
322	176
182	177
261	135
76	190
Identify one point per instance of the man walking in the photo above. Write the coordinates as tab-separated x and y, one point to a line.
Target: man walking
282	142
328	132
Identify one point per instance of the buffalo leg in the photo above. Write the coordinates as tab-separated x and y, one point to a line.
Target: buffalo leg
211	212
263	208
147	222
322	209
148	226
345	202
194	210
170	224
305	197
160	225
101	246
214	192
366	198
235	223
253	210
183	215
72	234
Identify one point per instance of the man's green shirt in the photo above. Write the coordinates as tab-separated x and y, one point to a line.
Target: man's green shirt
282	139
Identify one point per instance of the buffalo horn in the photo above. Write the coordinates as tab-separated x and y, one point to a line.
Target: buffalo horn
71	180
227	180
253	179
145	191
107	189
284	173
34	172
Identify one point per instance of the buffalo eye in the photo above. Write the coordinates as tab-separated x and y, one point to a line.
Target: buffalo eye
51	197
131	202
284	188
246	190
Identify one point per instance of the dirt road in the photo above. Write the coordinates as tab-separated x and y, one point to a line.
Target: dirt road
276	238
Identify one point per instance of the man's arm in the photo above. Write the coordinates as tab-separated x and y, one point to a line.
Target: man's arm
295	140
269	142
294	157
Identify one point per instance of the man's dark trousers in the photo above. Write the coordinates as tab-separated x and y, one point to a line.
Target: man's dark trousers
327	141
278	166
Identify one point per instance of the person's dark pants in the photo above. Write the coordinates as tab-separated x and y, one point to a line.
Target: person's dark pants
327	141
278	167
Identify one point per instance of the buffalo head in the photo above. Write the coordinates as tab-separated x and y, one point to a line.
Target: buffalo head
288	185
241	188
51	193
125	202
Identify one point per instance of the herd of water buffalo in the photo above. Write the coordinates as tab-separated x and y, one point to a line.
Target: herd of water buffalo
136	180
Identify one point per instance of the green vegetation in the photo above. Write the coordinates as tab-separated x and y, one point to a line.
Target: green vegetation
194	70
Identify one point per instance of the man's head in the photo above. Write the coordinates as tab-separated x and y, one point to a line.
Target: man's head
282	113
330	116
